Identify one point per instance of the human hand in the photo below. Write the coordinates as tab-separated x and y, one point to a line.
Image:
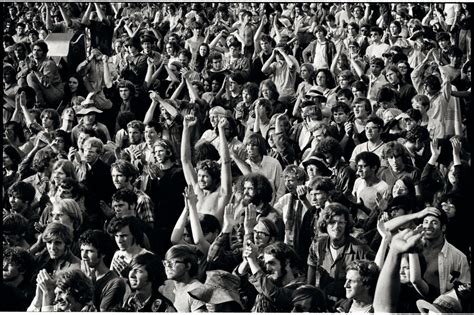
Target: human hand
382	200
428	211
229	217
250	251
250	219
301	191
190	196
456	144
349	128
189	121
435	148
386	234
45	282
223	122
119	264
106	209
406	241
155	96
22	99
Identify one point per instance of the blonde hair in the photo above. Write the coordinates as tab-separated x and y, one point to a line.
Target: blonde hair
71	208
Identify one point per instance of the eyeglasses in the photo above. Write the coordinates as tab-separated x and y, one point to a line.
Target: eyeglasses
171	263
261	233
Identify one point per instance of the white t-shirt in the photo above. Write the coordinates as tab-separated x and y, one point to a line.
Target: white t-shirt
368	193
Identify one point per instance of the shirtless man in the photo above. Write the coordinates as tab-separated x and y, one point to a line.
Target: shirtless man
213	194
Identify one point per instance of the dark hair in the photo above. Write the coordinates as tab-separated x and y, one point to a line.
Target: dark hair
156	125
59	133
13	155
284	253
365	101
395	148
22	190
376	120
133	223
127	195
97	239
377	30
185	253
128	85
443	36
209	224
258	140
42	45
186	53
386	94
17	129
368	271
321	183
274	94
455	51
370	158
57	230
331	146
355	26
360	86
332	210
318	299
77	284
15	224
252	90
153	266
42	160
321	28
124	118
262	187
341	106
205	151
77	190
212	167
126	168
345	92
432	82
21	258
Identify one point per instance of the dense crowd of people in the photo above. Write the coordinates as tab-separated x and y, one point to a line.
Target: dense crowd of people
229	157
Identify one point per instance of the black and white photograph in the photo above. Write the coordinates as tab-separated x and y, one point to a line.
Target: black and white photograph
307	157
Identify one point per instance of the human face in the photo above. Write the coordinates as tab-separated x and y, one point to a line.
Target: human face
81	139
38	53
134	135
376	69
253	151
404	270
396	162
58	215
249	193
73	84
364	171
215	86
124	238
246	96
161	154
312	171
391	77
375	37
432	228
120	180
321	79
340	117
304	73
10	271
265	46
291	183
354	286
273	267
150	135
7	162
183	60
147	47
64	302
175	268
205	181
56	248
343	99
403	68
452	179
64	192
124	93
317	198
234	86
399	189
123	209
68	114
47	121
266	92
17	204
20	52
88	119
90	255
343	82
394	30
91	154
138	277
449	208
217	64
372	131
203	50
261	235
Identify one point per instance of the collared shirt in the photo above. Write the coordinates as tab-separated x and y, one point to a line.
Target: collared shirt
375	85
452	259
145	206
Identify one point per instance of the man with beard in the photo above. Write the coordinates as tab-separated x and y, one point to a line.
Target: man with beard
181	267
213	194
257	194
123	175
368	186
275	285
330	254
109	287
145	276
361	279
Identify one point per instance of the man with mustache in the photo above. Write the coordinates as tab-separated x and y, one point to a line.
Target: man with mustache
330	254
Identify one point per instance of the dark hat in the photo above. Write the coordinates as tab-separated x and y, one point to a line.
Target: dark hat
319	163
417	34
317	92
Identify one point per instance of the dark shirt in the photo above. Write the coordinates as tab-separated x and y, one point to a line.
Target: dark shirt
109	291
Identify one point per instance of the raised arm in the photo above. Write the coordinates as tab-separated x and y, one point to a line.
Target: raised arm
64	14
87	15
415	274
397	222
188	169
108	81
178	230
226	174
386	239
196	229
266	68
